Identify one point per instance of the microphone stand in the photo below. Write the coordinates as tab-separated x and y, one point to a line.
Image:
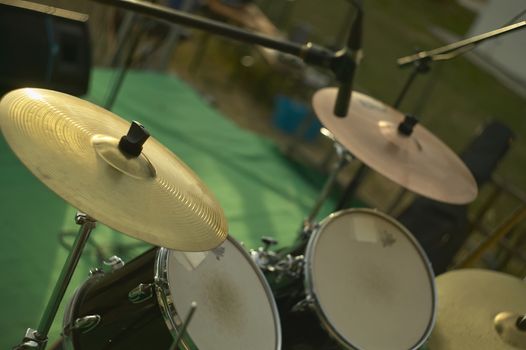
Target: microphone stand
421	64
341	62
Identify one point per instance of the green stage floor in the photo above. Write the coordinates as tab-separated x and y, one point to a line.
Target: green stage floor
261	192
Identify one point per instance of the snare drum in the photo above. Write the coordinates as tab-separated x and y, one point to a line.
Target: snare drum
235	307
369	282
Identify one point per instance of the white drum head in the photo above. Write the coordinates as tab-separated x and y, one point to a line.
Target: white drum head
371	282
235	307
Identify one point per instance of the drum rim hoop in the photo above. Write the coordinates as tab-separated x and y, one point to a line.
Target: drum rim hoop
310	291
166	302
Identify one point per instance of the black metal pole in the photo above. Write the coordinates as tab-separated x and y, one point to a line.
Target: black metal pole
37	338
309	53
350	190
403	61
122	71
421	66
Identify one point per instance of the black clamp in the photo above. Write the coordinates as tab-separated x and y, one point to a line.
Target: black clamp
268	242
406	126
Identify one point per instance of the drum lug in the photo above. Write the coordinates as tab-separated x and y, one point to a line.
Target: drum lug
141	293
114	262
84	324
95	271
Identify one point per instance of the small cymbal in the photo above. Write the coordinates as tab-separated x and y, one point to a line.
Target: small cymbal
419	162
71	145
475	308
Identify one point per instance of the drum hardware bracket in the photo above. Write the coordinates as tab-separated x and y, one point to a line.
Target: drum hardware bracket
141	293
303	304
290	266
263	257
114	262
32	340
84	324
94	271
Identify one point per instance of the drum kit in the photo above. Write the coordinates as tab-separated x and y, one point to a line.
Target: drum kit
357	277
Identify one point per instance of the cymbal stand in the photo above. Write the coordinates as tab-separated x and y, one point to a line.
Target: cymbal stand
421	66
287	259
420	63
186	322
37	338
124	53
344	157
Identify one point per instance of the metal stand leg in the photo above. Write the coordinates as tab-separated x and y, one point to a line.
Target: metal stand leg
344	158
37	339
352	187
173	38
504	228
121	73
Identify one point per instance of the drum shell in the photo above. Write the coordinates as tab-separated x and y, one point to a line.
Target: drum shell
123	324
301	327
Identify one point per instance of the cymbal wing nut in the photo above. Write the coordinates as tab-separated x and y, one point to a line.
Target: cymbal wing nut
131	143
406	127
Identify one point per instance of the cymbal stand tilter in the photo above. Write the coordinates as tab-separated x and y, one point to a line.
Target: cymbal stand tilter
37	338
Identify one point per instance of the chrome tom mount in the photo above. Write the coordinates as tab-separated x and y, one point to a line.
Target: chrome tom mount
272	262
289	262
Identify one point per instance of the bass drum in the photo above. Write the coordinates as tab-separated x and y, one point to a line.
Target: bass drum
141	305
369	283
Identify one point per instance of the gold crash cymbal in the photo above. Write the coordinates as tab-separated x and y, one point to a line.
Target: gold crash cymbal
478	309
419	162
71	145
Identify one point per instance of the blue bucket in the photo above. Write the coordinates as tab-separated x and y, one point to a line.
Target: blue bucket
290	115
